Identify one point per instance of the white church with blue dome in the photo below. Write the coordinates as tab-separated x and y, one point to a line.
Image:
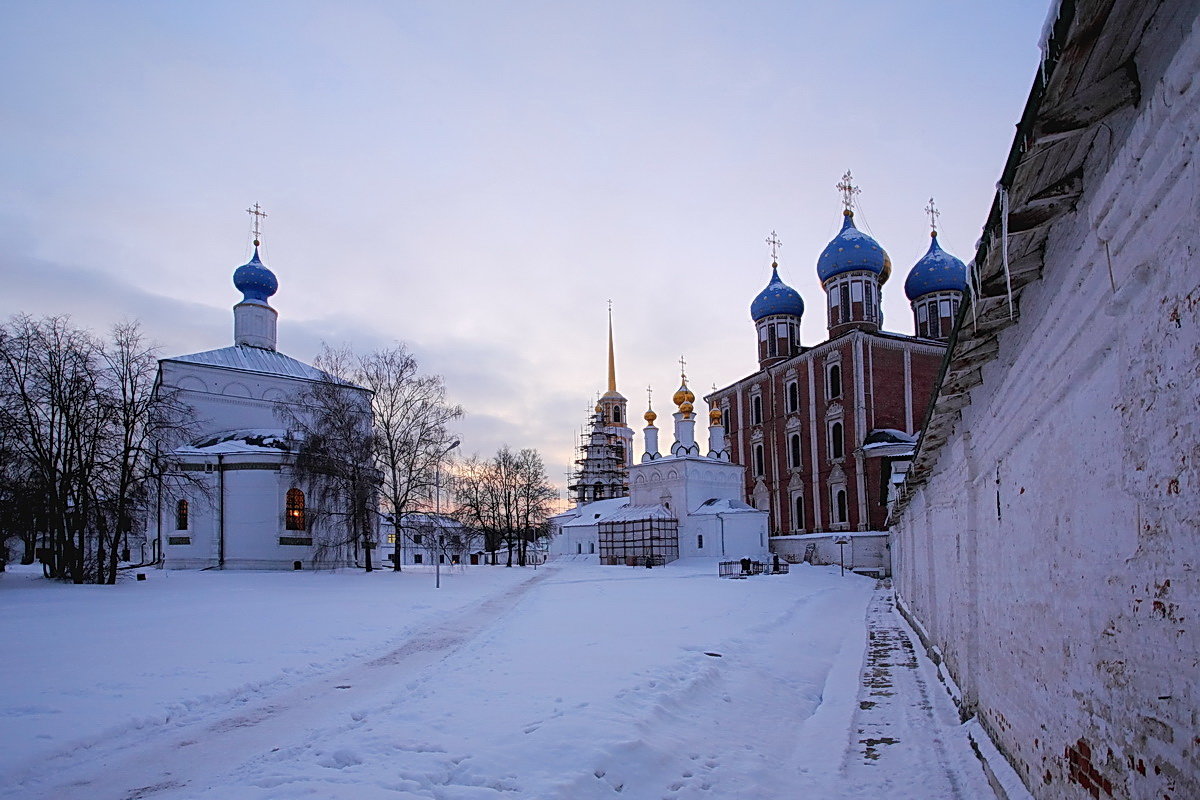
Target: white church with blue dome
231	500
823	429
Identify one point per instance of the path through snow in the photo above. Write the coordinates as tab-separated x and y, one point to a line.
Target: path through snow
575	681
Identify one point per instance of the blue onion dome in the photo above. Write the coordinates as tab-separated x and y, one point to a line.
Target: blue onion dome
937	271
777	298
853	250
255	281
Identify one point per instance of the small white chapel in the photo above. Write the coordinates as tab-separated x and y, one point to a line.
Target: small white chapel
680	504
230	499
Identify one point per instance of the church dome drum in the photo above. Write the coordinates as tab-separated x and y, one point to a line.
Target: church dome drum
777	298
936	271
255	281
852	250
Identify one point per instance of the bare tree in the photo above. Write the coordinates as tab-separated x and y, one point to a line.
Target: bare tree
507	497
411	416
78	416
335	459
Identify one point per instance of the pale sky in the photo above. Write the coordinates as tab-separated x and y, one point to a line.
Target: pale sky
477	179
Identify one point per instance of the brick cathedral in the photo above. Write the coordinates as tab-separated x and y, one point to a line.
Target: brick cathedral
819	427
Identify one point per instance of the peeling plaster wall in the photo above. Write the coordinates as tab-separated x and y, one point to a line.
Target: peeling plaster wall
1053	556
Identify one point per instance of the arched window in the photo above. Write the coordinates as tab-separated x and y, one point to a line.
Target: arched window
616	413
794	442
839	502
295	511
181	515
793	397
598	491
837	447
756	410
835	381
699	541
759	463
798	512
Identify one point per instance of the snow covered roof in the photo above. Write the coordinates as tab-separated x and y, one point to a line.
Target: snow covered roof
889	442
715	506
591	513
245	440
256	359
630	513
422	520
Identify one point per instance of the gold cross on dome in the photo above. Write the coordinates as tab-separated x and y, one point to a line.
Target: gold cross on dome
649	396
849	190
683	367
258	215
933	213
774	243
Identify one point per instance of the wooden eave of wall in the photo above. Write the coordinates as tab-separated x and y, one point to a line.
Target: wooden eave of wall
1090	74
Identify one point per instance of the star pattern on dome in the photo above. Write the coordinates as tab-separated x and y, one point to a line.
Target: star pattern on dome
936	271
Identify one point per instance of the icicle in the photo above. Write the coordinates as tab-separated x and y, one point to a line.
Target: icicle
972	283
1111	277
1004	244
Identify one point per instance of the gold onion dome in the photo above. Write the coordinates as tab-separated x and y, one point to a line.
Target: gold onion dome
686	408
599	408
684	395
650	416
714	416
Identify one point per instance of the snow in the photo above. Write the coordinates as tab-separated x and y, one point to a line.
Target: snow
245	358
570	681
246	440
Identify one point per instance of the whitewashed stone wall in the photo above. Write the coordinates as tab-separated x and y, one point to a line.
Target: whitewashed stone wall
1053	556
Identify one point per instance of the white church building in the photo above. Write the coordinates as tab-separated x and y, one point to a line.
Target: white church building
680	505
230	499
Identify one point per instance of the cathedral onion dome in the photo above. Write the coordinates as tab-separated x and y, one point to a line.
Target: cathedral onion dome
685	408
937	271
650	416
777	298
853	250
684	395
599	408
714	416
255	281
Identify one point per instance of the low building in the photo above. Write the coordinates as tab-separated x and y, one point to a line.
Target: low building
681	505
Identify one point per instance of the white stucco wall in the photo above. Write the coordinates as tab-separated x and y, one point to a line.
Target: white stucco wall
1053	556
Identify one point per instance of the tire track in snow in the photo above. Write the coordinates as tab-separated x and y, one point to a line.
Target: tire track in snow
156	760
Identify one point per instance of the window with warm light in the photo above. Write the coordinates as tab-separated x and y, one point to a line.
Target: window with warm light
294	515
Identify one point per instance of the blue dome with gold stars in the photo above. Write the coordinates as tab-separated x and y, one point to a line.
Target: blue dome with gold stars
777	298
255	281
936	271
853	250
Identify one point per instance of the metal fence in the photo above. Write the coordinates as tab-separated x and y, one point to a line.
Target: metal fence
746	568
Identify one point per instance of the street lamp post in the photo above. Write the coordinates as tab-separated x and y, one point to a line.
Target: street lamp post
437	505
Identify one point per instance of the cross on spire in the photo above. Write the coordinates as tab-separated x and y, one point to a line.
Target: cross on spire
258	215
649	397
849	190
774	243
683	368
933	213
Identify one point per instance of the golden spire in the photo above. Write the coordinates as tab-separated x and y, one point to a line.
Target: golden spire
612	361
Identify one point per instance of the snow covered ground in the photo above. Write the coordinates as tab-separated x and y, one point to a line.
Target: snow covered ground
571	681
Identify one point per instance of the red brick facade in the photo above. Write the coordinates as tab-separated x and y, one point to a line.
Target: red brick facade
798	425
